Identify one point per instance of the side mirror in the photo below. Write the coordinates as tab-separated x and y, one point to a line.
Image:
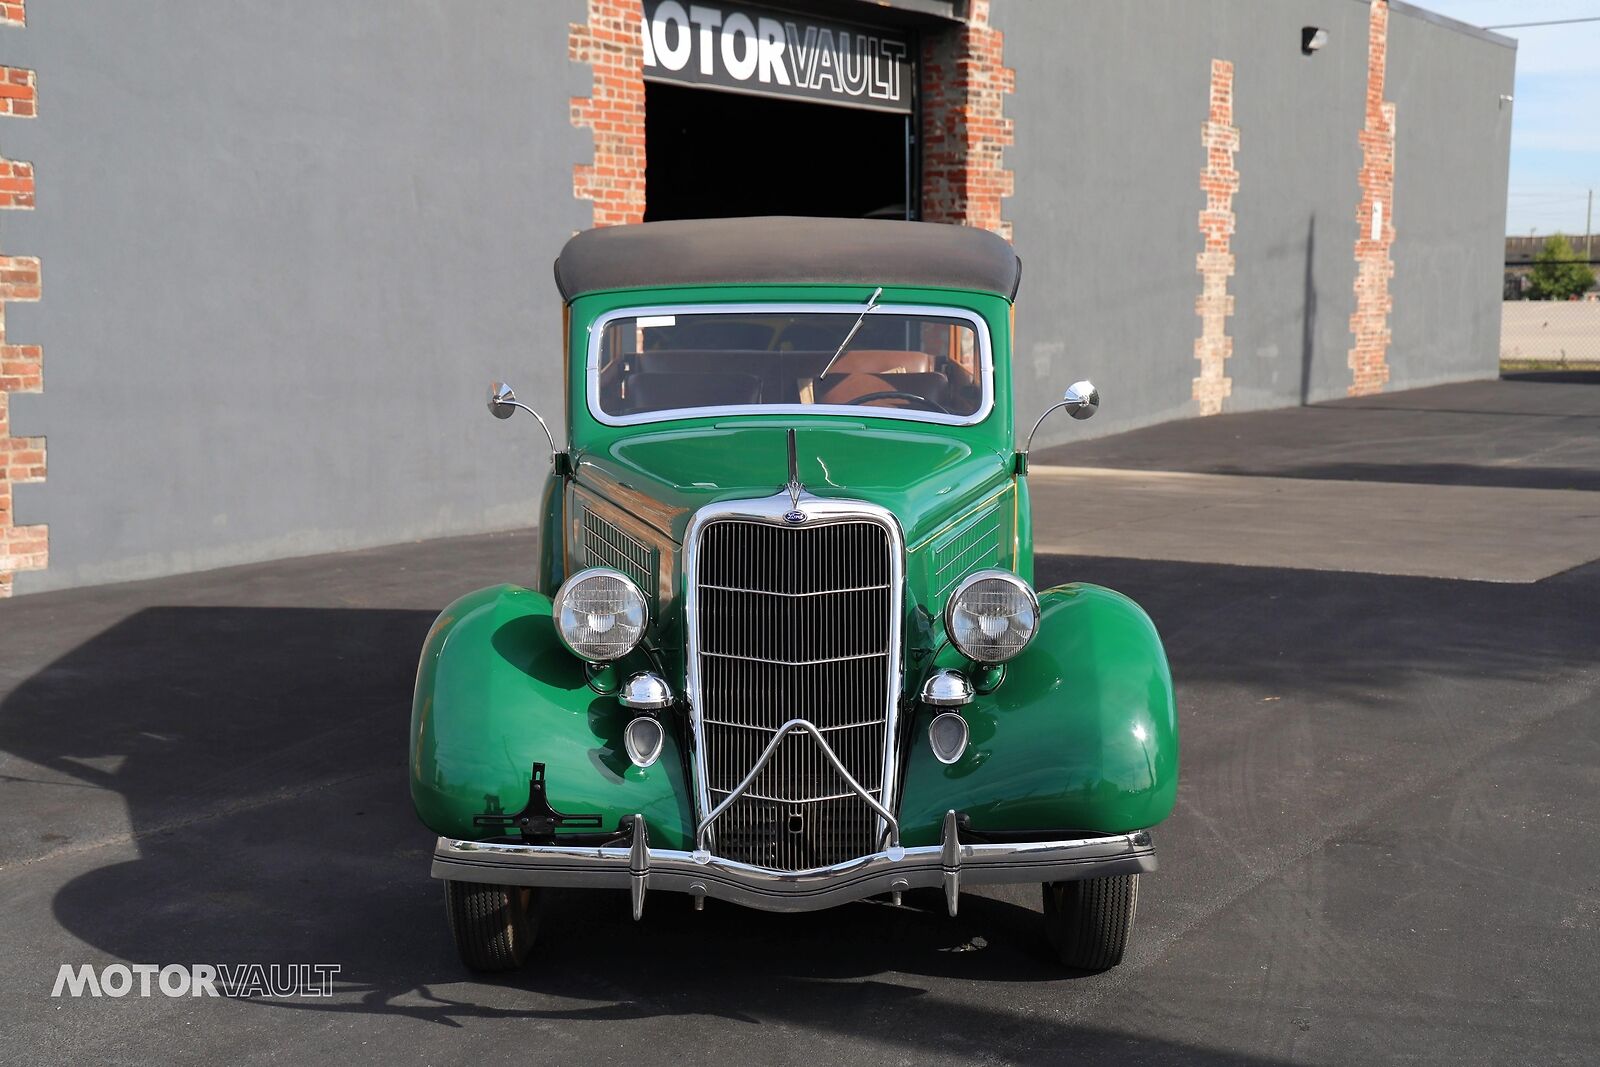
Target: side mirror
503	403
502	400
1081	400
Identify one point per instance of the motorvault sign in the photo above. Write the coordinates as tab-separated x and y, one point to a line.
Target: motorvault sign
749	49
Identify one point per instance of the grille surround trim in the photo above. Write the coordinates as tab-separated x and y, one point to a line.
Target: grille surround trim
771	510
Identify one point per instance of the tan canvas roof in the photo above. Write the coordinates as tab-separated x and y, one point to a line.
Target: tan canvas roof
787	251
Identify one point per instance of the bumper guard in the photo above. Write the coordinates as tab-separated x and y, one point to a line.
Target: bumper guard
640	868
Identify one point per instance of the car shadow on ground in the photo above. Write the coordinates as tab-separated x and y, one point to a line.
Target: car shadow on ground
260	753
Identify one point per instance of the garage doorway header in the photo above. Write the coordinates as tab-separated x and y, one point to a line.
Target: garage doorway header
747	49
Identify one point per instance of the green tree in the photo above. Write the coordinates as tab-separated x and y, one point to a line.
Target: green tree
1557	274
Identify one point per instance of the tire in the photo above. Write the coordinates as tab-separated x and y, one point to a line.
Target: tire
493	925
1089	922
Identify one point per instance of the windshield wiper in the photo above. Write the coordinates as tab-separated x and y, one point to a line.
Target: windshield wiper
872	302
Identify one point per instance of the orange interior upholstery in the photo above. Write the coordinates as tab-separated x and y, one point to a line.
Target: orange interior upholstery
882	361
851	386
854	386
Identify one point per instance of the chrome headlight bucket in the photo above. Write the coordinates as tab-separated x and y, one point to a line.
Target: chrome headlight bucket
991	616
600	614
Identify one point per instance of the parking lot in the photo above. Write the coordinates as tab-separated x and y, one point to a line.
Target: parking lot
1383	617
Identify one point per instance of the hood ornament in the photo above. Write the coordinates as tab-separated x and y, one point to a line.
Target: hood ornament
794	514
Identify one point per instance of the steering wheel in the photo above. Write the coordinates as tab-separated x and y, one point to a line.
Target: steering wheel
896	394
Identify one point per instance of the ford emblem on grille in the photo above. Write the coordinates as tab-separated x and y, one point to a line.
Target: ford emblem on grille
796	517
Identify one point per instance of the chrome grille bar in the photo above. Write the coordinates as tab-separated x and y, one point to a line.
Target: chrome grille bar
786	623
793	728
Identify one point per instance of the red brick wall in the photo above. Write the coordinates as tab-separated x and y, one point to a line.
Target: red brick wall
1374	267
16	184
609	41
1219	180
964	83
18	93
21	458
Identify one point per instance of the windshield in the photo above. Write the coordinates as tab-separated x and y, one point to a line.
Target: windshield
904	362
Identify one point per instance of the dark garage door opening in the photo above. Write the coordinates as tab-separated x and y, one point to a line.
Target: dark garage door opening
715	155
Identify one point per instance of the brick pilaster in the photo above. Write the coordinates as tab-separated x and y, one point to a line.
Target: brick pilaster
964	84
22	548
610	43
1374	266
1219	180
21	458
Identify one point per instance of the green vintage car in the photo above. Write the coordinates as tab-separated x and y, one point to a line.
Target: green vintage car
782	645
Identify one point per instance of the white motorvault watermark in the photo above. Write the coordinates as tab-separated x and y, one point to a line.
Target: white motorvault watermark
196	980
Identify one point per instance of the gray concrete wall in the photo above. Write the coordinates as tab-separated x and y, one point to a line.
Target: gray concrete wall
1108	111
1452	162
285	247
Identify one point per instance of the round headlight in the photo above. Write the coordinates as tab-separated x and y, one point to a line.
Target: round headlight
600	614
991	616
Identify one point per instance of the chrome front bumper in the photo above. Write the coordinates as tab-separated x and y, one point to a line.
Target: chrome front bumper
640	868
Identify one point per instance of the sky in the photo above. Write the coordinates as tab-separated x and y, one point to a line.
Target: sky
1555	127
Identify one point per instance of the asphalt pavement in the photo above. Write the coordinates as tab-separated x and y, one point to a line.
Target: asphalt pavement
1386	846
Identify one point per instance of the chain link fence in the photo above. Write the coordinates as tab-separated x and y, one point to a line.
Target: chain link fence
1537	335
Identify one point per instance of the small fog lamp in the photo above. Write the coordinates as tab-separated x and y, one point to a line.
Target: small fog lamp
600	614
947	736
991	616
643	738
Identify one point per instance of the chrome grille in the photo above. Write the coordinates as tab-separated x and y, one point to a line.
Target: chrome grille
794	623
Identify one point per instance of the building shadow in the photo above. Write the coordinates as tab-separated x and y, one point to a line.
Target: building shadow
1554	377
260	753
1497	434
1355	636
1586	479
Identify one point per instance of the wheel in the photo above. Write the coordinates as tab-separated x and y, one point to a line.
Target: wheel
493	925
1089	921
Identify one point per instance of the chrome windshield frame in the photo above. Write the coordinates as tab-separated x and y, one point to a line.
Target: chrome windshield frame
980	327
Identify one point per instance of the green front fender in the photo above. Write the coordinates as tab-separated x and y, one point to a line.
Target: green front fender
1080	735
496	693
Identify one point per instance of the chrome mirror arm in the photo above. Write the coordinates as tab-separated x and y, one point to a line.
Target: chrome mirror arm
1047	413
548	436
1081	400
503	401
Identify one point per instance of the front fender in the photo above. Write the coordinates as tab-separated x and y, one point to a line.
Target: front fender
496	693
1080	735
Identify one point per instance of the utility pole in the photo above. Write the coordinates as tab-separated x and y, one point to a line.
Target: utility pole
1588	230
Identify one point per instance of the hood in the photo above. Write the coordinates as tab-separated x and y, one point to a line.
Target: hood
925	478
